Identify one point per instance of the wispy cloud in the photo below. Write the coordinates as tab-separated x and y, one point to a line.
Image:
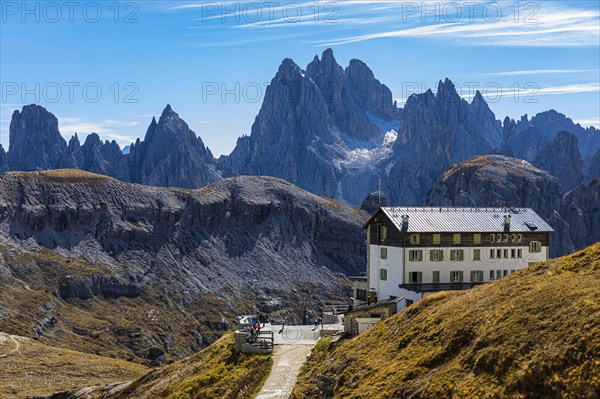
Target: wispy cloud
538	72
555	26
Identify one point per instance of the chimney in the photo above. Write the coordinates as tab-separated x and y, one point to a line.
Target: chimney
506	222
404	219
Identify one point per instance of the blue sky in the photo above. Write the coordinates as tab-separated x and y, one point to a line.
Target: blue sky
212	60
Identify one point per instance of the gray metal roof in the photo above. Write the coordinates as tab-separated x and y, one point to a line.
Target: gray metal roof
461	220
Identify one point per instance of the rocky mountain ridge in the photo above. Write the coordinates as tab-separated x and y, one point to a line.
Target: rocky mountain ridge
86	257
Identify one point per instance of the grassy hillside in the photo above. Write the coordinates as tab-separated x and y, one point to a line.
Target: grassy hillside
31	369
534	334
217	372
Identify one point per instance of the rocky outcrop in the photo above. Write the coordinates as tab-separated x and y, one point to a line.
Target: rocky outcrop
88	286
593	168
501	181
170	156
436	131
374	201
35	142
497	181
3	161
562	159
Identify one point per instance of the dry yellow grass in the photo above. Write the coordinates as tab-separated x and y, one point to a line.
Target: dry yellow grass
217	372
64	175
532	335
29	368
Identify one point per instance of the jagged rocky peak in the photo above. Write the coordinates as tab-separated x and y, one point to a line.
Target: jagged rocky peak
99	157
374	95
171	155
3	161
35	141
561	157
74	144
351	95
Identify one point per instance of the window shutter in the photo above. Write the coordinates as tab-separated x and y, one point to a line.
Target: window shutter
420	277
461	255
461	274
531	246
420	256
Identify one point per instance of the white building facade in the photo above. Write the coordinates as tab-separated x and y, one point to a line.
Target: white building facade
414	252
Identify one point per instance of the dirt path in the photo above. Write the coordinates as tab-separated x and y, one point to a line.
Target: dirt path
287	360
4	338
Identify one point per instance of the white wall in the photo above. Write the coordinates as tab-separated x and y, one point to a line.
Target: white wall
393	265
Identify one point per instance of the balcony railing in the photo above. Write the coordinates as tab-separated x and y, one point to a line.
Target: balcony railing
434	287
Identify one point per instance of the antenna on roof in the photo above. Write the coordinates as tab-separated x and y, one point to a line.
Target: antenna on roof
379	192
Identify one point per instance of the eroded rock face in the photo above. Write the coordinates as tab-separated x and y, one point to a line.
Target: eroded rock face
35	142
580	208
562	159
230	234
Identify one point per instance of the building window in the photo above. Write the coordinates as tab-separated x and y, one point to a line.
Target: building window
456	276
519	253
437	239
477	254
456	239
498	253
383	231
415	239
498	274
498	237
383	274
457	254
492	254
535	246
476	276
436	255
513	253
492	274
505	255
383	253
519	237
505	273
492	238
505	237
476	238
512	271
436	277
415	255
513	238
415	277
